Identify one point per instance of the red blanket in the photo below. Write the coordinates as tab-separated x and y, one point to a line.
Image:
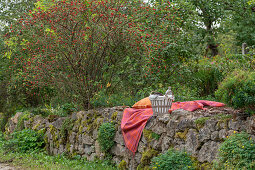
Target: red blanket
194	105
132	124
134	120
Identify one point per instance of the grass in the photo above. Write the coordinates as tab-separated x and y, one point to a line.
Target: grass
41	160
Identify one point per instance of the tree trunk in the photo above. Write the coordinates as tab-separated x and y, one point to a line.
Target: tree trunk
211	44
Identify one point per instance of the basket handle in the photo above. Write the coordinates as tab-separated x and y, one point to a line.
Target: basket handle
160	94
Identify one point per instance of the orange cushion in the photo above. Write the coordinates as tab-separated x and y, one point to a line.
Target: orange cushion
142	104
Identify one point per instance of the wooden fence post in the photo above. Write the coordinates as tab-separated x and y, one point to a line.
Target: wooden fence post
244	50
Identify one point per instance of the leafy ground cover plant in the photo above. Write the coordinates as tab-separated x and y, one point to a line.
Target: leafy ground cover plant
23	141
237	152
106	134
172	159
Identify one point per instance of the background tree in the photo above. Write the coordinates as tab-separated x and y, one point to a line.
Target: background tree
243	20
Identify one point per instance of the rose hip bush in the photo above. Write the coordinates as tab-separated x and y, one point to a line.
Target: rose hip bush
78	46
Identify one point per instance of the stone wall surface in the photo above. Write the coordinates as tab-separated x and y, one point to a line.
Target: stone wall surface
199	133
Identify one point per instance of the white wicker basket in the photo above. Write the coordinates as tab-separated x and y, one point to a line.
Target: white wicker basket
161	104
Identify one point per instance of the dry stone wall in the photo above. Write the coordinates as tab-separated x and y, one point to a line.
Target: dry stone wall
199	133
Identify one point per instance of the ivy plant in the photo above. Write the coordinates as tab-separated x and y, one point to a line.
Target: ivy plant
106	134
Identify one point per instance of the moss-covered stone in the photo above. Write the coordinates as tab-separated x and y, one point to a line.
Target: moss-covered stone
80	129
93	123
52	118
36	126
57	143
140	167
220	122
223	117
78	121
52	130
206	166
54	133
21	119
68	147
198	165
122	165
42	131
200	122
114	116
149	135
147	156
66	127
46	139
181	135
31	119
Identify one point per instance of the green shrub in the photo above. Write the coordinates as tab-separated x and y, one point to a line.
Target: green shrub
184	93
207	80
68	108
23	92
3	121
43	111
106	134
103	99
237	152
238	89
172	159
61	110
1	137
23	141
204	76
